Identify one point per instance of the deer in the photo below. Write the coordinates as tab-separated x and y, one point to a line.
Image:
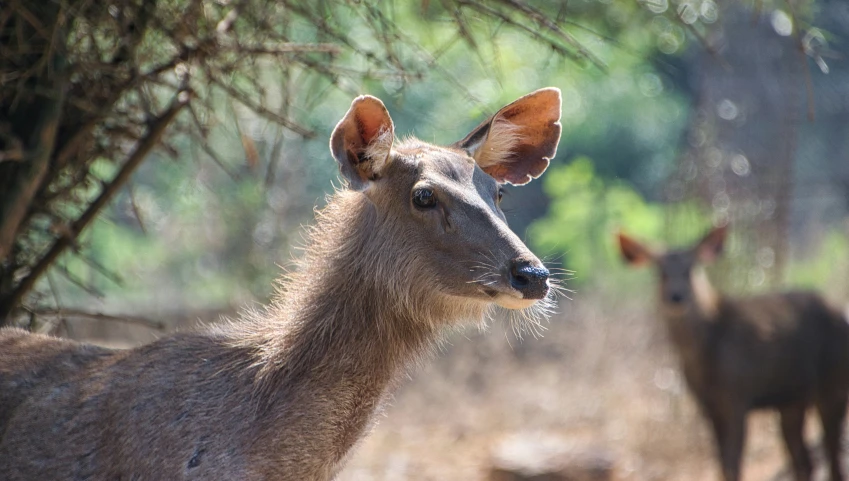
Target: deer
784	351
412	245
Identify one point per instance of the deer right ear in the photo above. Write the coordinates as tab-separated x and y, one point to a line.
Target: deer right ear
516	144
362	141
711	247
633	252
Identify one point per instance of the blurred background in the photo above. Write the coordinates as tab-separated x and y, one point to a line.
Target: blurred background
188	145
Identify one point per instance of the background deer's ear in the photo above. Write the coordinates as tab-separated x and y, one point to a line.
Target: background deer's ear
633	252
709	248
517	143
362	141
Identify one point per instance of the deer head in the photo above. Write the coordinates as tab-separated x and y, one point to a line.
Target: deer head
444	201
683	284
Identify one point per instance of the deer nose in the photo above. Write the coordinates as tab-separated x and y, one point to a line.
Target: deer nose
676	298
530	280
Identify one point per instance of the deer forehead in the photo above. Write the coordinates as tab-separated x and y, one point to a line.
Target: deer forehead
677	263
439	166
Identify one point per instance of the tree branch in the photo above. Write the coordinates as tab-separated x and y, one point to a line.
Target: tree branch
145	145
97	316
21	180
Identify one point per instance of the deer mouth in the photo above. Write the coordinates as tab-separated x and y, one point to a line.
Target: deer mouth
511	299
674	310
510	302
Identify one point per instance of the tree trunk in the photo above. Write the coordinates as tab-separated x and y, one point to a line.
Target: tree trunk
29	123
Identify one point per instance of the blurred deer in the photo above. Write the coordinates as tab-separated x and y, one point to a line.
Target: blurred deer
785	351
414	244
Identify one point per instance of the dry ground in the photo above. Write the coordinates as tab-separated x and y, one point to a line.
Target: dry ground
603	379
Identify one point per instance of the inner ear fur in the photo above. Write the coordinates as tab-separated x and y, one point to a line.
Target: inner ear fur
517	143
633	252
362	141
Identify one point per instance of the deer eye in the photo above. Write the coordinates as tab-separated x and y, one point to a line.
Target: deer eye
424	198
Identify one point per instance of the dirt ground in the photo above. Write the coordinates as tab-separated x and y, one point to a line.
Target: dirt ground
602	379
599	381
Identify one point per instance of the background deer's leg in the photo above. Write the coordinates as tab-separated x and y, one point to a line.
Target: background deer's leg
729	427
832	411
792	427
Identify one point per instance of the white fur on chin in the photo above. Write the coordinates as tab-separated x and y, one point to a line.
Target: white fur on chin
510	302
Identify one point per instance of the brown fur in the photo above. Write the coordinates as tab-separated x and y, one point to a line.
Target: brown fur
285	392
533	129
784	351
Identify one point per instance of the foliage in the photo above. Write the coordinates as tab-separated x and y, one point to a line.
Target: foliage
824	265
587	210
240	95
85	84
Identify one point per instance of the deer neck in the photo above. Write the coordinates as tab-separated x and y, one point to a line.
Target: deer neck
706	299
345	312
346	326
692	325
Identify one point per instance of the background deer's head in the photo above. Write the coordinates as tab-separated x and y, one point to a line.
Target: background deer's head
683	283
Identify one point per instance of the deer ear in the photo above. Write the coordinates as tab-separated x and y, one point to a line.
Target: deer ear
362	141
633	252
712	245
517	143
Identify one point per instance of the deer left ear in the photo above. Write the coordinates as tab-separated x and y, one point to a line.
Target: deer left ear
633	252
712	245
362	141
516	144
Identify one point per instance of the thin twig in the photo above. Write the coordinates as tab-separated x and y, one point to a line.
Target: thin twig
73	279
803	61
52	285
98	316
487	10
243	99
702	40
288	48
219	161
97	266
136	211
543	21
